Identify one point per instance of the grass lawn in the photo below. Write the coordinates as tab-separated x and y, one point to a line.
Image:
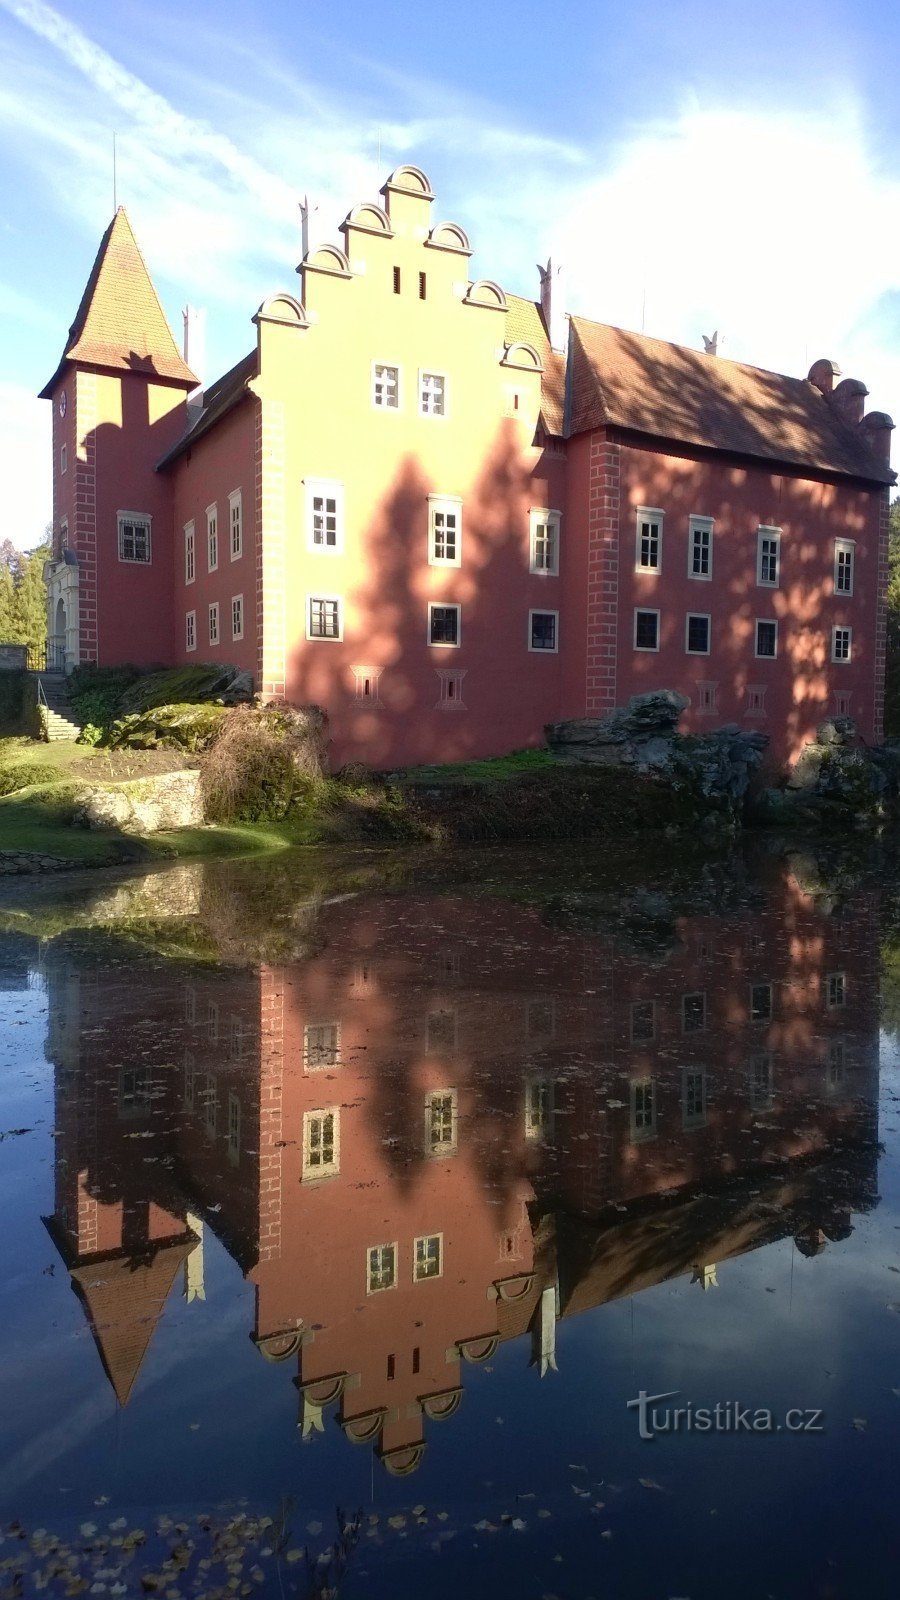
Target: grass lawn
490	770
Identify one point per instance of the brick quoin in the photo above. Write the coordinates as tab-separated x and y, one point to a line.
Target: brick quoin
603	571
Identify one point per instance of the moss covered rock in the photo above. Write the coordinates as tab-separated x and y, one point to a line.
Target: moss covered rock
169	727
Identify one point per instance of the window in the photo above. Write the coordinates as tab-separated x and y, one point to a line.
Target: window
700	536
321	1046
321	1154
444	624
450	696
696	634
134	537
836	990
844	561
189	1080
238	1038
835	1066
648	547
444	531
236	520
760	1002
756	700
210	1105
234	1129
214	622
693	1013
432	393
237	616
841	643
190	1005
643	1021
766	640
543	630
693	1099
135	1085
382	1267
768	557
63	458
427	1257
440	1123
212	1021
190	630
762	1083
212	538
707	697
324	514
324	619
643	1108
366	682
385	386
423	286
544	529
646	630
539	1108
540	1020
396	280
190	563
441	1033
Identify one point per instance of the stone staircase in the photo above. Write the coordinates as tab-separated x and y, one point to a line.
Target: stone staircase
57	718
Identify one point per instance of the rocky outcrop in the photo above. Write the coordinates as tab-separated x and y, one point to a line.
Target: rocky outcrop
172	727
146	805
837	778
643	737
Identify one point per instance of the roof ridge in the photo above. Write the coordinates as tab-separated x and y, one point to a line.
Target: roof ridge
691	350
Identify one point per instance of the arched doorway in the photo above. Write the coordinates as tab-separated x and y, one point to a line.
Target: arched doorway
56	651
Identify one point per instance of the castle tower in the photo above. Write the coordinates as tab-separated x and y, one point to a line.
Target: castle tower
118	404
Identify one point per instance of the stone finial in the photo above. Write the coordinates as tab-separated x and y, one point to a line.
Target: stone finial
822	375
849	398
553	304
710	343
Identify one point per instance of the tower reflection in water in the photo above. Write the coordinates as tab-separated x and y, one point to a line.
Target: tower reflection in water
454	1124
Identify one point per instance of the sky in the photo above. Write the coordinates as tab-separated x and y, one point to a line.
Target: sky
694	165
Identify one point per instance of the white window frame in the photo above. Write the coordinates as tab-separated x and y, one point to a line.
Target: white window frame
190	630
313	1051
539	650
446	1147
831	980
213	617
190	1080
236	524
427	373
324	489
699	616
372	677
211	1104
444	504
427	1238
212	538
144	519
845	547
770	621
539	1119
655	515
841	661
647	649
646	1130
234	1128
190	552
237	633
450	692
63	459
538	517
329	599
381	1288
390	366
444	644
694	1119
762	1100
774	535
311	1172
697	524
138	1101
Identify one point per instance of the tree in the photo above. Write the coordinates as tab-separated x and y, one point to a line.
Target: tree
23	595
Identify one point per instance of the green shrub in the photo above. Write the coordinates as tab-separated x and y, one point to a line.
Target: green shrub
25	773
12	690
95	693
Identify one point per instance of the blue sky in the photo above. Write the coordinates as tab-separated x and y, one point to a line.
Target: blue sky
694	165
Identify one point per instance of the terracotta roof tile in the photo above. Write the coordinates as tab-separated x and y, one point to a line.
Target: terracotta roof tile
668	391
124	1300
120	324
220	398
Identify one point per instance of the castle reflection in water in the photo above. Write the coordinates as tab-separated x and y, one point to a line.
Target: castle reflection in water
453	1124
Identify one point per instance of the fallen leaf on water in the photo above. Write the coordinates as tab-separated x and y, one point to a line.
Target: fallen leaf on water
860	1424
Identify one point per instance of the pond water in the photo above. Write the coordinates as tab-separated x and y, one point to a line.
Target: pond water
350	1206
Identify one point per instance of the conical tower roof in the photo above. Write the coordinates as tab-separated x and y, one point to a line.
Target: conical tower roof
124	1300
120	324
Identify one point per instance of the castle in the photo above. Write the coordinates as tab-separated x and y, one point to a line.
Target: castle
450	515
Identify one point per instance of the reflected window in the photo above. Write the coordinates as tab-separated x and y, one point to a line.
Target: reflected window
539	1108
760	1002
321	1152
762	1082
210	1104
238	1038
440	1122
835	1066
693	1013
135	1086
190	1005
836	990
427	1257
541	1019
212	1021
382	1267
321	1046
441	1033
643	1108
234	1129
693	1099
643	1021
189	1081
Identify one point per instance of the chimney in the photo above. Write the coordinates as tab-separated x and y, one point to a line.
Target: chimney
553	305
849	398
822	375
877	427
194	349
309	217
